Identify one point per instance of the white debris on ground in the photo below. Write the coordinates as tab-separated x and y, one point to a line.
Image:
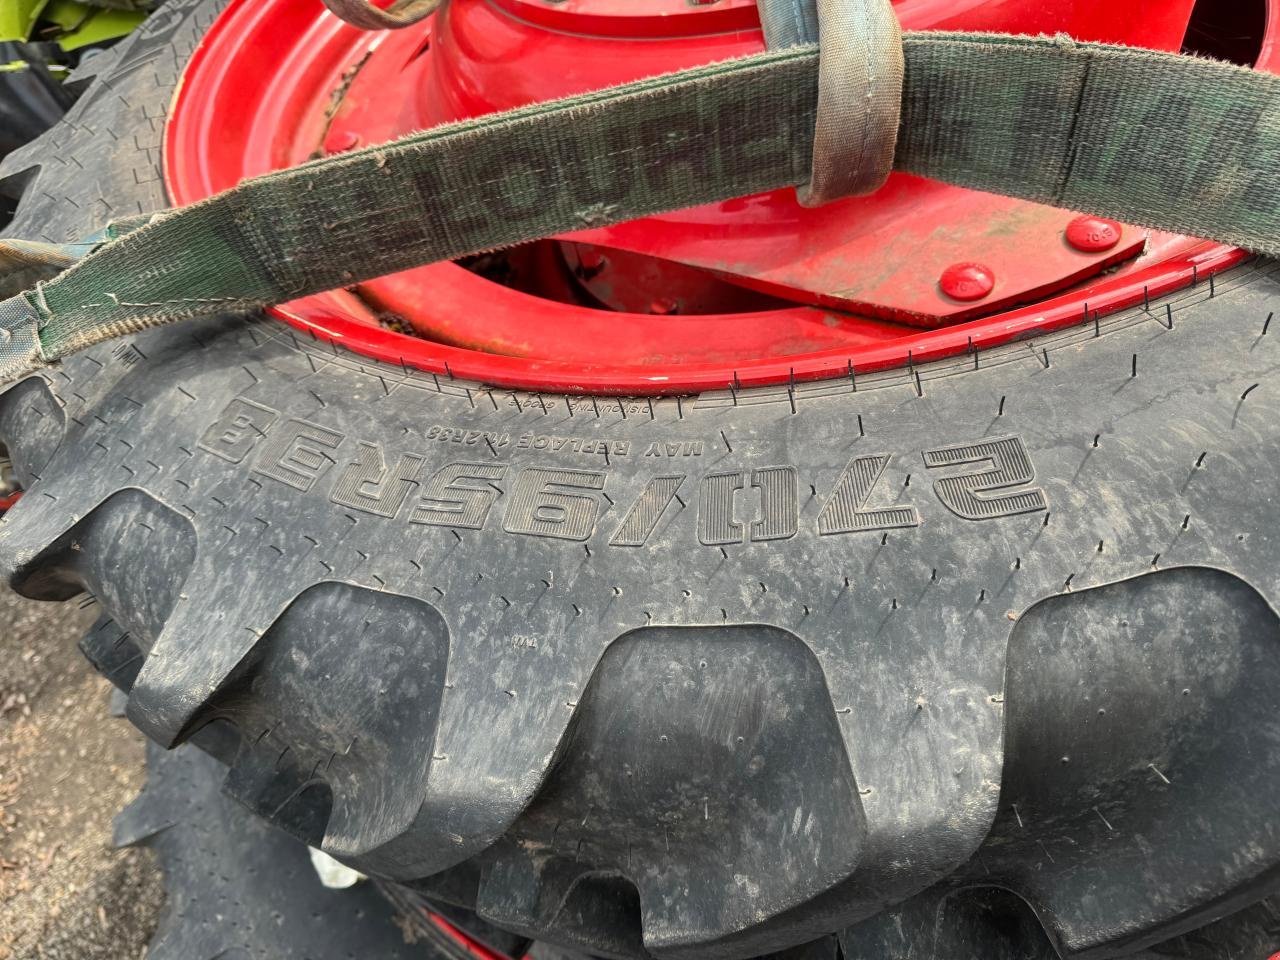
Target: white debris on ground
334	875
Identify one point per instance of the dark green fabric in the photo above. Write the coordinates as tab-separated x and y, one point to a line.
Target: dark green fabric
1155	139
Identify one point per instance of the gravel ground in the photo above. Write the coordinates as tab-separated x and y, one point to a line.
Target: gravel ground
66	769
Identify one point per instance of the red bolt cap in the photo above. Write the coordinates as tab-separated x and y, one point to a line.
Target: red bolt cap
1093	234
967	281
341	142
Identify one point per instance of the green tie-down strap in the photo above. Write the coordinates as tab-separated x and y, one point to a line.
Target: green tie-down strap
24	263
1160	140
27	264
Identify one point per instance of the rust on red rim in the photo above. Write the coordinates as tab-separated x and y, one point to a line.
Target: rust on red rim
752	291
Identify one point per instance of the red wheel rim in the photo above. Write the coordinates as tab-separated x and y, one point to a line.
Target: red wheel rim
232	118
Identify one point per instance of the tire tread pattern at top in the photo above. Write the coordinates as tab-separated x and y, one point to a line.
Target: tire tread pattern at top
698	677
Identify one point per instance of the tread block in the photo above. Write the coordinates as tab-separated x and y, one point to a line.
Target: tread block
364	672
713	774
32	426
108	552
1142	755
112	652
264	780
571	904
951	924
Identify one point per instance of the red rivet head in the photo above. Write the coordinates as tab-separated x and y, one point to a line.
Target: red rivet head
967	281
1093	234
664	306
341	141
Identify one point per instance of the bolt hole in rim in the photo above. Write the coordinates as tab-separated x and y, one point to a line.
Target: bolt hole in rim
233	117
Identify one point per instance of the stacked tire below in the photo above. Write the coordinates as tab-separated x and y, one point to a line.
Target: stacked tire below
239	888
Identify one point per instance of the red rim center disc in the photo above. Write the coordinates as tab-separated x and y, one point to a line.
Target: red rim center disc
277	81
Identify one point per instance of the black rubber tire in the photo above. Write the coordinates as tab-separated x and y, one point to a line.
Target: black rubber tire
31	100
234	887
237	887
705	677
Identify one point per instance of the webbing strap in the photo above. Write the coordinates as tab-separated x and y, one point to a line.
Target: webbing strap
1160	140
860	66
363	14
860	77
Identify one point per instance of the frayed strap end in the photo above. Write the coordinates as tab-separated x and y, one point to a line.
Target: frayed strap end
20	350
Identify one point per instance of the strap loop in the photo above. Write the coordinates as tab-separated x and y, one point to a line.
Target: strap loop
860	77
363	14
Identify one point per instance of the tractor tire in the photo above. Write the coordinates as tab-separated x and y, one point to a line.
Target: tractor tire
234	887
31	100
706	677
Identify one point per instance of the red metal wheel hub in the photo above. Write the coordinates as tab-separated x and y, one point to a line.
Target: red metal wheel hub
755	290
